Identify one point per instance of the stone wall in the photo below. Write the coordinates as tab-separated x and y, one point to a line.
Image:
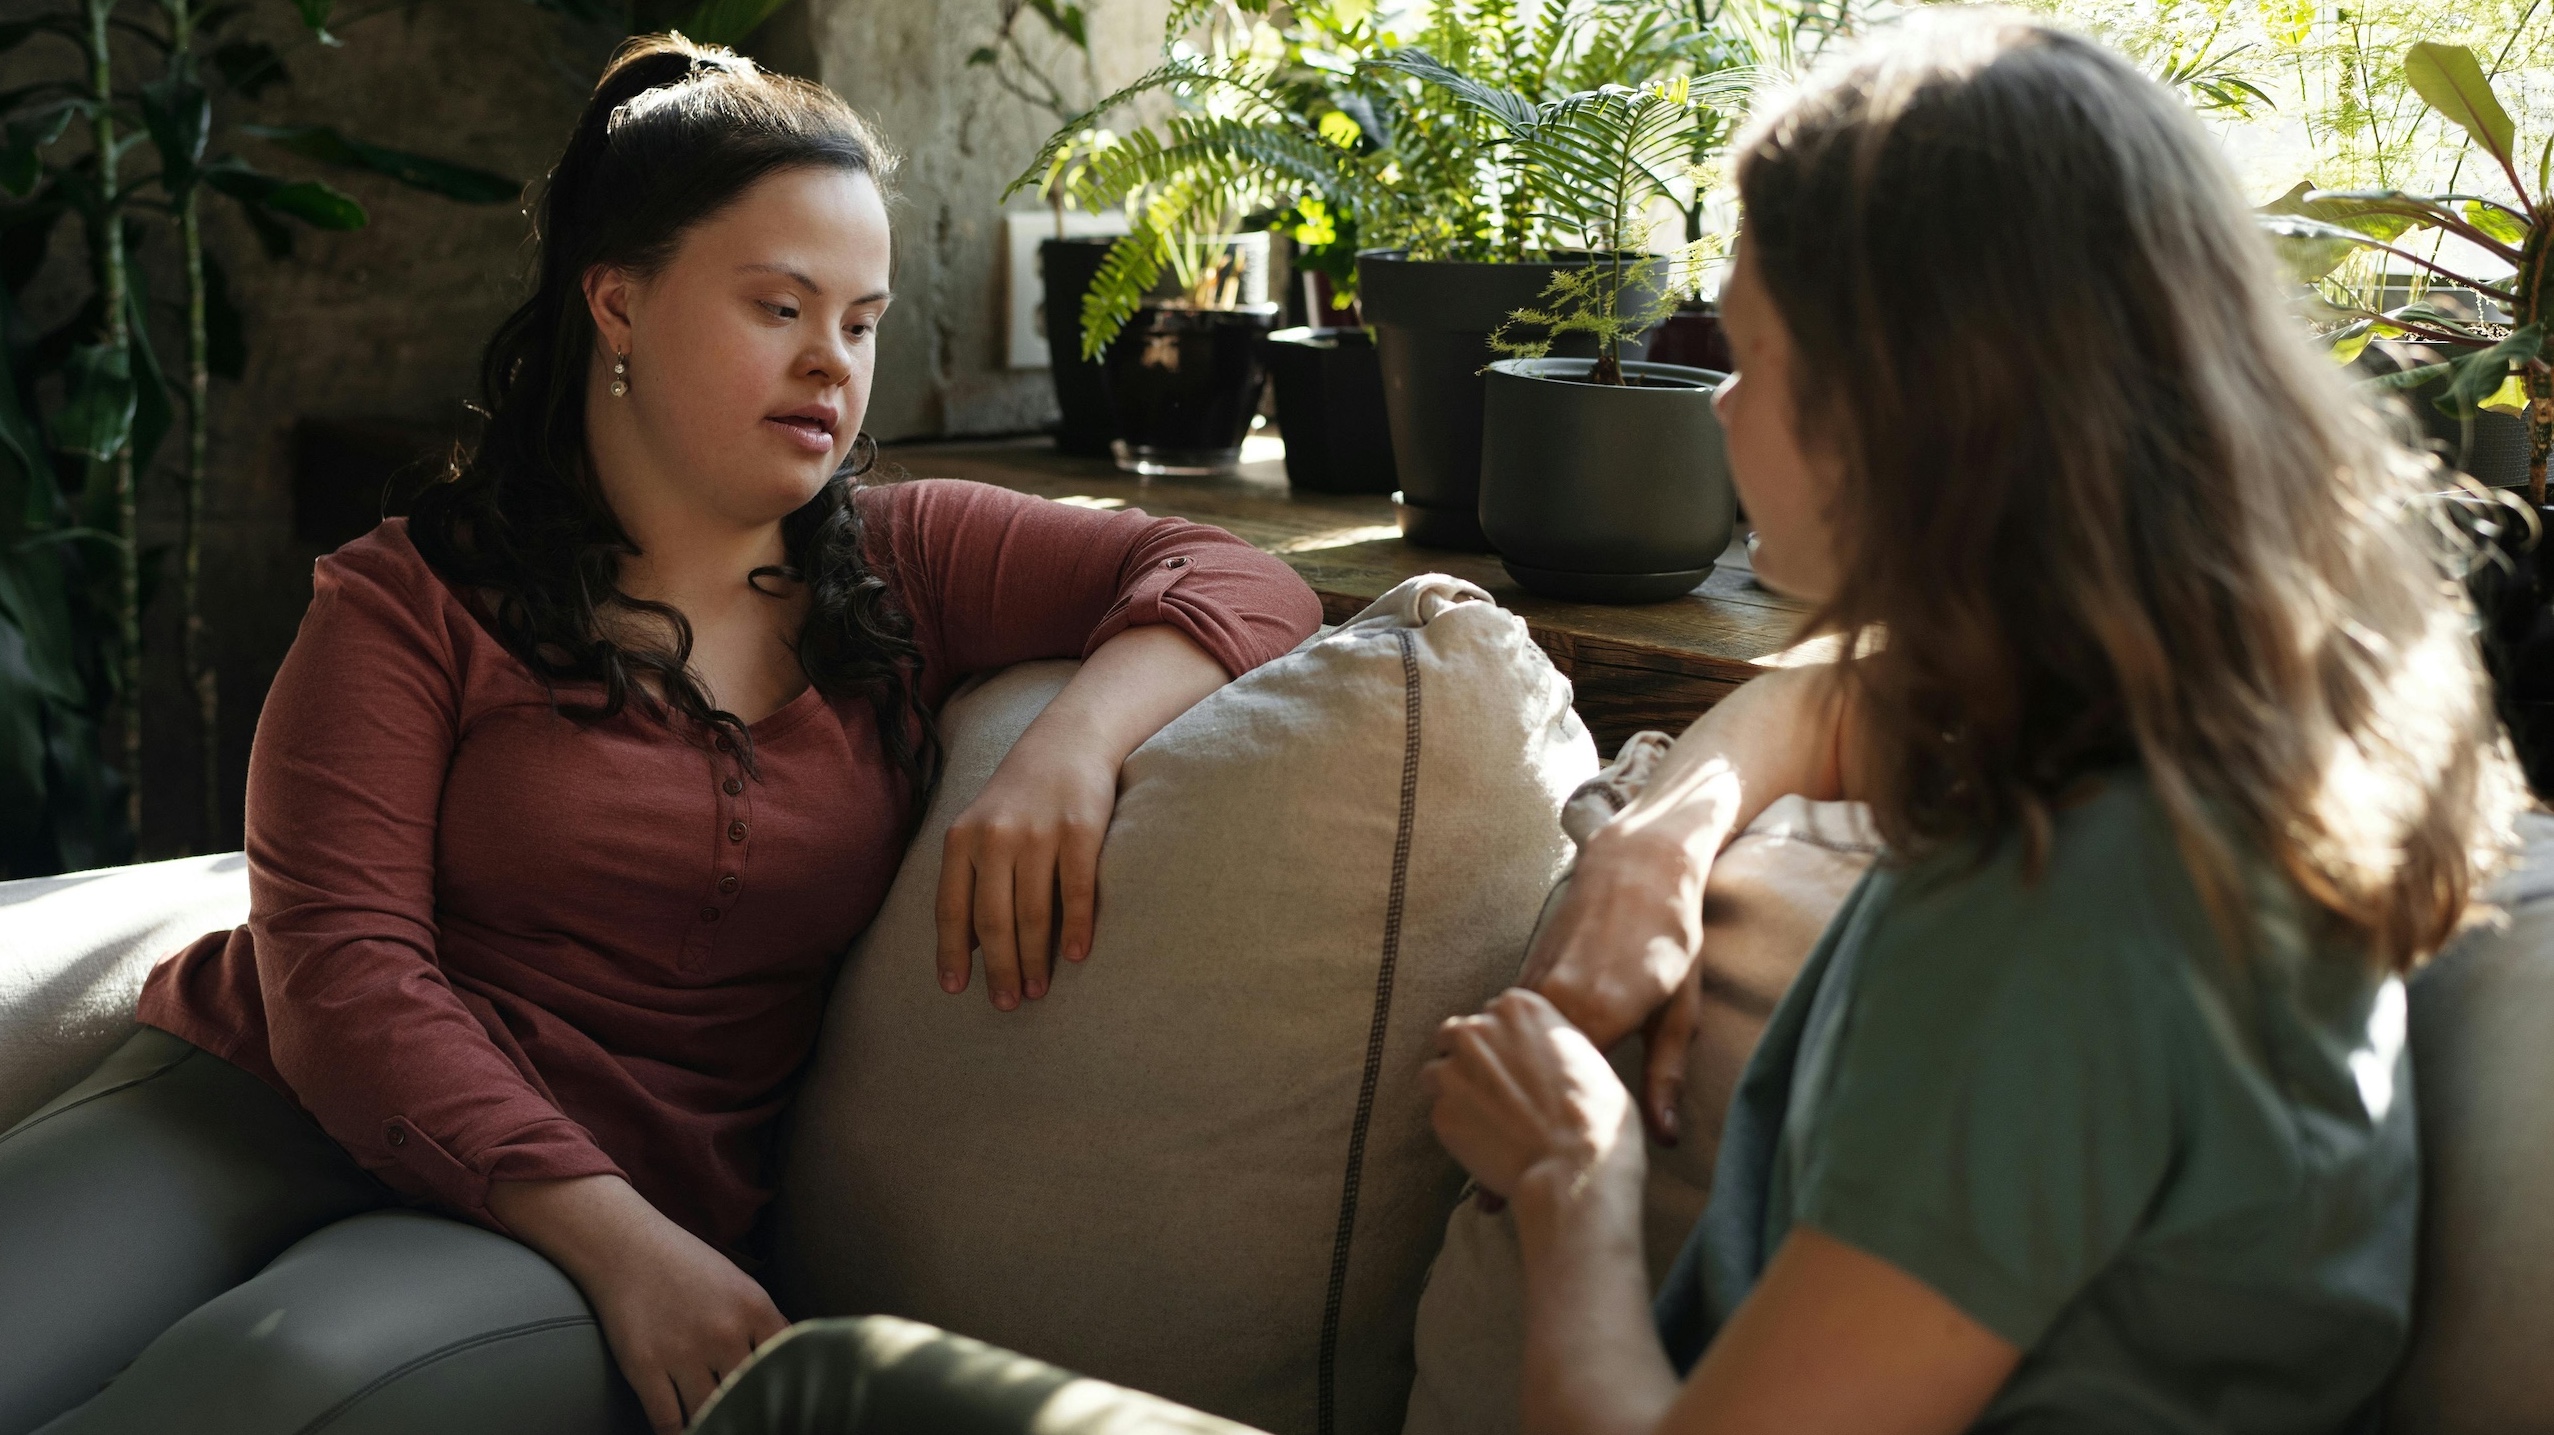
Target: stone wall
903	63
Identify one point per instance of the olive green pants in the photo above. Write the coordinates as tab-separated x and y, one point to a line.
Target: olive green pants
878	1375
183	1249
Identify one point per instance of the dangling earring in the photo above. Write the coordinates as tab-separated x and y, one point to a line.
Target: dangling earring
620	373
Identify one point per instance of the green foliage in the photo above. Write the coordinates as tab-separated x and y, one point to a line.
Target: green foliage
86	407
1029	71
1609	300
440	177
726	22
1593	165
1307	119
2512	372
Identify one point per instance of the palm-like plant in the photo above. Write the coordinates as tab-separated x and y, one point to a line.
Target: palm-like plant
1596	163
2512	372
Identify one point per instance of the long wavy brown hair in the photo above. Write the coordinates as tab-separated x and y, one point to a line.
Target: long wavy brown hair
2102	498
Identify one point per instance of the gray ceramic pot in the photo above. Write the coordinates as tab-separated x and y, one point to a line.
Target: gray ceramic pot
1602	494
1432	321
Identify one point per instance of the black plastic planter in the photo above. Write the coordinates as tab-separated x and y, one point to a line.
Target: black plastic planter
1330	409
1066	267
1603	493
1432	321
1183	384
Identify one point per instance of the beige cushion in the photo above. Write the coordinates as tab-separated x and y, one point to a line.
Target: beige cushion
74	951
2482	1356
1201	1165
1771	893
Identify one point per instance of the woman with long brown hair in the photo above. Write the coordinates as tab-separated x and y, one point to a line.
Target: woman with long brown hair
570	793
2091	1108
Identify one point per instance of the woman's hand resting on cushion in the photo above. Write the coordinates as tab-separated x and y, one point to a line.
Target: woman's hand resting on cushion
677	1315
1019	871
1623	952
1521	1095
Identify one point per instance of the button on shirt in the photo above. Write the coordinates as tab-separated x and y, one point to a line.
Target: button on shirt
488	942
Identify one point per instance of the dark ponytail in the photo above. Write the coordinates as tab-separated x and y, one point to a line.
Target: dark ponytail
674	133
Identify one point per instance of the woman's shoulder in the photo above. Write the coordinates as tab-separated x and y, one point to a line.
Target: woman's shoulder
379	590
2108	871
385	558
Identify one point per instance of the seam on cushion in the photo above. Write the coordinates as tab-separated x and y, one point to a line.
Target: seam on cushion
330	1415
39	1119
1332	1303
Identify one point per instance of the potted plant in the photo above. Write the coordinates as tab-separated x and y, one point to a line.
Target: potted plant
1184	375
1253	138
1603	478
1067	263
2507	368
1480	246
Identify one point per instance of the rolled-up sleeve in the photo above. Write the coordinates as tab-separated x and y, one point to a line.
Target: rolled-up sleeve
345	781
992	577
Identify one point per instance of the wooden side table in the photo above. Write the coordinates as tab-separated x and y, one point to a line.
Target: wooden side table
1651	666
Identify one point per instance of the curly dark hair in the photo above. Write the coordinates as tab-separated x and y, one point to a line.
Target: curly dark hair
521	515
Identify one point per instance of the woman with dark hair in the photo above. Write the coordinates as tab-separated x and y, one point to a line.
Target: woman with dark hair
567	797
2091	1109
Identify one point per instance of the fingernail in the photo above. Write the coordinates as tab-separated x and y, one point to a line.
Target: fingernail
1036	990
1004	1001
1073	952
952	983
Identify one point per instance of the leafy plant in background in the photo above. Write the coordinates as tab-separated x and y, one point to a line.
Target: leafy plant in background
1025	75
85	406
1597	162
1298	125
2510	371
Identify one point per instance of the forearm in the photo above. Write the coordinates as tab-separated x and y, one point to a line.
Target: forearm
1593	1364
579	1223
1127	691
1777	735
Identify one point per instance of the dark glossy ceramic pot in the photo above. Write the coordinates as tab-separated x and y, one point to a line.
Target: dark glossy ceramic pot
1183	384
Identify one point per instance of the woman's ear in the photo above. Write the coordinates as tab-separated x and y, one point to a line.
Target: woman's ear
608	292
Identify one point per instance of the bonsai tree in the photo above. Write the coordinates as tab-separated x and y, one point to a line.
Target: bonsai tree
2510	372
1597	162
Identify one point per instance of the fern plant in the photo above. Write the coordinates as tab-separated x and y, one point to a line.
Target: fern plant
1596	164
1299	125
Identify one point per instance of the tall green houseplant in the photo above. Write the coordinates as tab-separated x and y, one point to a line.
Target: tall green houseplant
85	406
2511	372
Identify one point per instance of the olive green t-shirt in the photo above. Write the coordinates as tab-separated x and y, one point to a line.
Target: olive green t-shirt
2183	1184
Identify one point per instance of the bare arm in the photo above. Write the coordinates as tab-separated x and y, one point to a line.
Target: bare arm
1830	1340
1027	850
1621	950
678	1315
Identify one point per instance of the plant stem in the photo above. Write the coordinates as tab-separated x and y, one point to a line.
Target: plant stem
114	295
200	678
